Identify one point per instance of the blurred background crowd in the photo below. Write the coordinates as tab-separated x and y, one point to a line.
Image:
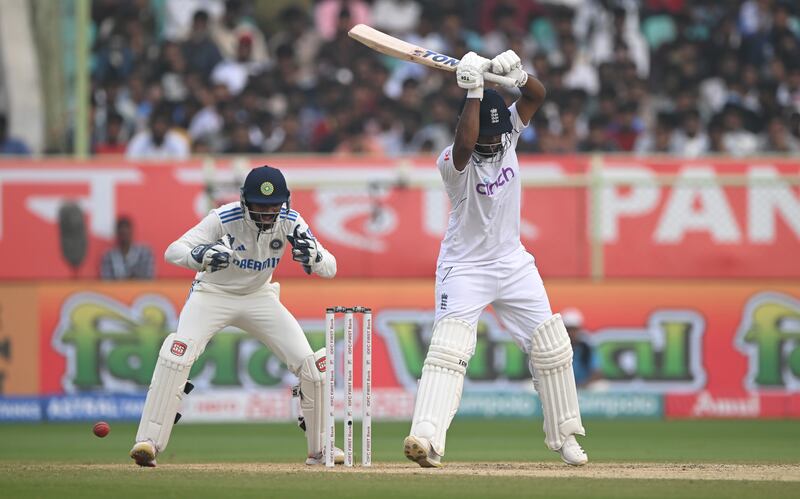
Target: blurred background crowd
172	78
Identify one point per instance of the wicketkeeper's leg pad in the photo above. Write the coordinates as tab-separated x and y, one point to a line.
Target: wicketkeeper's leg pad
312	390
551	366
439	392
167	389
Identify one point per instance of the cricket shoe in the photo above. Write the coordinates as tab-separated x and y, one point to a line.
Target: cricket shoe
144	453
419	450
338	457
572	453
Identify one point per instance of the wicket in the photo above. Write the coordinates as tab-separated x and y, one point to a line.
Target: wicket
366	383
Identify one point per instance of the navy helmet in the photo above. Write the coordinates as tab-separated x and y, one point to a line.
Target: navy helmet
494	120
494	116
265	185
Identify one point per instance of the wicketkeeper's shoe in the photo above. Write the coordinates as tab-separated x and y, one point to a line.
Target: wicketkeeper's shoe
338	457
144	453
572	453
420	451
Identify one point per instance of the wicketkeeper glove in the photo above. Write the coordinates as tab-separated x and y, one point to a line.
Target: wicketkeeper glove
215	256
304	249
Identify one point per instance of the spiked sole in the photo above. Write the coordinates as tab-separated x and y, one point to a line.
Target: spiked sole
416	451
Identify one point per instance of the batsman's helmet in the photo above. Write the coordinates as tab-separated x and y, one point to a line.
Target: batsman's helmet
494	120
494	116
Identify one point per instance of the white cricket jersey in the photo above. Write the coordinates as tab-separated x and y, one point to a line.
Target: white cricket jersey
484	205
256	254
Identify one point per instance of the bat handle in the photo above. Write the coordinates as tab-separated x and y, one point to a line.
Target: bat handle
500	80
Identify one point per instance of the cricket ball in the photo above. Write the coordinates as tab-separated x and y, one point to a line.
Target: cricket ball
101	429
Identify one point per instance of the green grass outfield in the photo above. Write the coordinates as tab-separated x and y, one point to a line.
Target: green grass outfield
497	458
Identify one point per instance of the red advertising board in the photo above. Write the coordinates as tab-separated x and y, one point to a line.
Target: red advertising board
385	218
716	349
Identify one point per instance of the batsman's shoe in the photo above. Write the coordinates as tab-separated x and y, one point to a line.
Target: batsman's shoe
144	453
572	453
338	457
420	451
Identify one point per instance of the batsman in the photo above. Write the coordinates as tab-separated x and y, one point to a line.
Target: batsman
235	250
482	262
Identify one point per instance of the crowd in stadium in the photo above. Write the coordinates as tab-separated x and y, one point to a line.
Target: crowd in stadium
180	77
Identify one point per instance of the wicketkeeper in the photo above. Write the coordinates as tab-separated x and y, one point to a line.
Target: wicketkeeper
235	250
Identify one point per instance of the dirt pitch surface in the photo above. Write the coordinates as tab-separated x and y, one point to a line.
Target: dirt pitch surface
638	471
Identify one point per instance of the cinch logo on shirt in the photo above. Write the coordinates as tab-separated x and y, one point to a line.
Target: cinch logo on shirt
487	188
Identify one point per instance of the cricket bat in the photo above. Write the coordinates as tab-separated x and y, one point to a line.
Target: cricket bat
394	47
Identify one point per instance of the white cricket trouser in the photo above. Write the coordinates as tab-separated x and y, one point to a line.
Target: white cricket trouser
512	286
261	314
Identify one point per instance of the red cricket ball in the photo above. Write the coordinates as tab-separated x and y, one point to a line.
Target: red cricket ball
101	429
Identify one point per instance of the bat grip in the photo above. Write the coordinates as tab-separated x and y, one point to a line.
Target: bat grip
500	80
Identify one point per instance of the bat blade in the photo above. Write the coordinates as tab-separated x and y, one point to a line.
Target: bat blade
399	49
394	47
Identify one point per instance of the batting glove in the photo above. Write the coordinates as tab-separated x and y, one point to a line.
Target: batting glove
519	76
304	249
469	74
215	256
505	63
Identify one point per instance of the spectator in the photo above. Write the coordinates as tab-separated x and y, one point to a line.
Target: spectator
115	137
328	15
396	16
581	73
10	145
626	128
199	50
778	139
661	140
318	83
235	73
690	139
173	74
584	359
159	141
127	260
240	142
737	140
597	140
229	30
180	13
305	42
207	122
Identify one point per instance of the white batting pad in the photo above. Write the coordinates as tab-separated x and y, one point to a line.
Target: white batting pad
166	390
439	392
312	390
551	365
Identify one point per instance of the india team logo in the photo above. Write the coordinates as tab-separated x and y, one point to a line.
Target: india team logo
267	188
